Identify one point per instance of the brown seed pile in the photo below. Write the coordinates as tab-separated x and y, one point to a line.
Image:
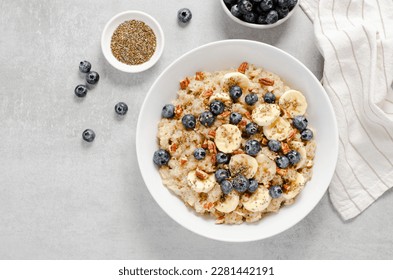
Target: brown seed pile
133	42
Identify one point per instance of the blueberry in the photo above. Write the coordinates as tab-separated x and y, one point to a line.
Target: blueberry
300	122
269	98
84	66
230	2
252	147
207	118
256	1
235	92
291	4
251	99
189	121
307	134
226	186
275	191
221	175
274	145
168	111
266	5
184	15
251	128
222	158
272	17
282	12
282	162
253	185
88	135
282	3
240	183
80	90
261	19
293	156
121	108
217	107
199	153
161	157
92	77
235	11
250	17
245	6
235	118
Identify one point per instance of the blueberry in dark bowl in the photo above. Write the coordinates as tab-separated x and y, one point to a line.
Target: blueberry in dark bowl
80	90
161	157
245	6
84	66
266	5
188	121
261	19
282	12
291	4
92	77
235	11
282	3
250	17
168	111
272	17
207	118
217	107
230	2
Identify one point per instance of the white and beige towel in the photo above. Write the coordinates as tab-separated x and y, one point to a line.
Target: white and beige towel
355	38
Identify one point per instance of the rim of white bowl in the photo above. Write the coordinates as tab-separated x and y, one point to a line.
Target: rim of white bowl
258	26
334	145
133	68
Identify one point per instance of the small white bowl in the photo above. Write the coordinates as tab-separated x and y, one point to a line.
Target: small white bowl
254	25
110	28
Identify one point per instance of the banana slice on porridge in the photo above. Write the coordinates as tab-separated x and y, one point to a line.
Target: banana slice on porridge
258	201
243	164
293	103
229	204
295	187
265	114
200	181
266	169
235	79
278	130
228	138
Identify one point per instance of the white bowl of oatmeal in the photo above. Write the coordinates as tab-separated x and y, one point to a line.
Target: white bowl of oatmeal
132	41
187	190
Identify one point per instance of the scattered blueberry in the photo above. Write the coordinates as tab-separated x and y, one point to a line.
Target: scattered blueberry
207	118
235	11
245	6
189	121
293	156
92	77
221	175
272	17
266	5
217	107
121	108
251	128
80	90
168	111
199	153
161	157
250	17
300	122
235	118
282	162
84	66
275	191
252	147
269	98
235	92
253	185
222	158
251	99
274	145
184	15
88	135
226	186
307	134
240	183
282	12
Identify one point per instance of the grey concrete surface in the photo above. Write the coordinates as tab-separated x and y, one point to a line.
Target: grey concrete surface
63	199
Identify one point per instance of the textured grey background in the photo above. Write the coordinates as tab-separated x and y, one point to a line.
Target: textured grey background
63	199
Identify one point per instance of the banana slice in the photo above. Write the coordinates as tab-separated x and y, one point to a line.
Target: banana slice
229	204
243	164
293	103
295	187
265	114
258	201
221	96
235	78
266	169
299	146
278	130
199	185
228	138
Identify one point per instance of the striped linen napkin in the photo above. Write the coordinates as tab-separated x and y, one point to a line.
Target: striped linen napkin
355	38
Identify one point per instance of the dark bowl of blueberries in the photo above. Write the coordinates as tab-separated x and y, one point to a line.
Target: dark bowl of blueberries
261	14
